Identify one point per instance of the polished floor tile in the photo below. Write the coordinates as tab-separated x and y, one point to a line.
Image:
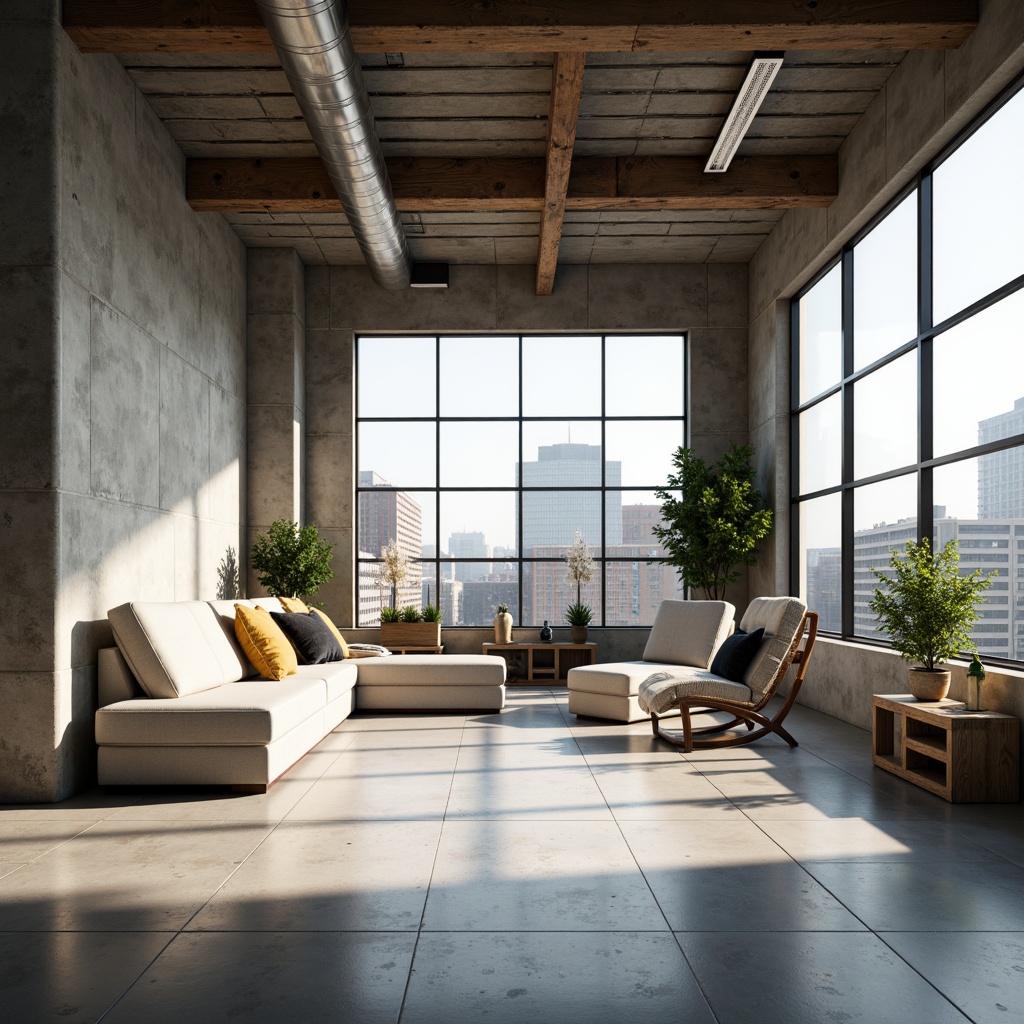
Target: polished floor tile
522	866
71	975
729	876
353	876
538	876
563	977
270	978
126	876
980	972
800	978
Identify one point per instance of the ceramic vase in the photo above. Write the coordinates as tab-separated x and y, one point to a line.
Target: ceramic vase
929	684
503	628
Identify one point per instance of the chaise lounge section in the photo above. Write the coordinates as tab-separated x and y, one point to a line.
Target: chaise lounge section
179	704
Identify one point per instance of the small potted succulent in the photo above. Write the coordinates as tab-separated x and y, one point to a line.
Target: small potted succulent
927	608
503	625
578	616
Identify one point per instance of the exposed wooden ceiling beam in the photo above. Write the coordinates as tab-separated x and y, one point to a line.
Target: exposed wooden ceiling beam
422	185
194	26
566	89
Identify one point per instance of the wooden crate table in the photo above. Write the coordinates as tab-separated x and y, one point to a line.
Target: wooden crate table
962	756
535	663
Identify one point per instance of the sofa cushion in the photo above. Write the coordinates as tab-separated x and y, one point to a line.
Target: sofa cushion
264	643
433	670
662	691
781	618
338	676
175	648
314	643
251	712
736	654
689	632
334	629
621	678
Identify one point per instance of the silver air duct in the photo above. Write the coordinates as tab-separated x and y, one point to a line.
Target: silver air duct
312	40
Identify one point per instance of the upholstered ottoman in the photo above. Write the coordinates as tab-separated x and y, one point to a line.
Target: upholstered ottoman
427	682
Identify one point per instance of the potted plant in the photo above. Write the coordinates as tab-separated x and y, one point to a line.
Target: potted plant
394	570
290	562
712	521
581	570
411	627
578	616
927	608
503	625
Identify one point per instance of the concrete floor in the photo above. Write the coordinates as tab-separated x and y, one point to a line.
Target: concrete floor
521	867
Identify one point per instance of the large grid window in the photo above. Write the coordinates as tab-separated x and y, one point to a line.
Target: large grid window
482	457
908	391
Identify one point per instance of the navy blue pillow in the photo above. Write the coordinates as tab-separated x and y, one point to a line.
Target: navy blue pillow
735	655
314	643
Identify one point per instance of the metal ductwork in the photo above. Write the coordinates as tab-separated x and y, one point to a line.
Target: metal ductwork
312	40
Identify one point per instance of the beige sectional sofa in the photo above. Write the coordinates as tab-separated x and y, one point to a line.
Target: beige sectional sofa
179	702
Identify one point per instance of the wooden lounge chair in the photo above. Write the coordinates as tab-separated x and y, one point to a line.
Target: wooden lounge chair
789	633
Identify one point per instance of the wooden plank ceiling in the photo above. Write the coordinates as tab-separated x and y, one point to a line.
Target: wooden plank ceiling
589	150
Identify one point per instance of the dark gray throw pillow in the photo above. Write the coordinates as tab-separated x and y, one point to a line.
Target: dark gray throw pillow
735	655
314	643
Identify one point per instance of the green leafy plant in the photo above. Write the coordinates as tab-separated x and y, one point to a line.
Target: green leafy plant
410	613
503	609
712	520
431	613
290	562
925	605
578	614
390	615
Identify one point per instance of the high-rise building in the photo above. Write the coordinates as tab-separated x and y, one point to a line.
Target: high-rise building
552	517
1001	474
469	545
387	515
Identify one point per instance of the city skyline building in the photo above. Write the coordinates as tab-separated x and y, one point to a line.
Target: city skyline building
1001	474
552	517
386	515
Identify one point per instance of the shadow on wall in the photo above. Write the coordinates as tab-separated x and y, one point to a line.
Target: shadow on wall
227	577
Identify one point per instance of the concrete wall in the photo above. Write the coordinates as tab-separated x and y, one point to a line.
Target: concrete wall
707	300
124	374
925	103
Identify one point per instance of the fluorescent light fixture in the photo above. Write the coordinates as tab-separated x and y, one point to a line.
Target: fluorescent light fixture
749	99
429	275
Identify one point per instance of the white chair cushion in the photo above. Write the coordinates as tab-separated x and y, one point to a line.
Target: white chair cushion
689	632
622	679
781	618
662	691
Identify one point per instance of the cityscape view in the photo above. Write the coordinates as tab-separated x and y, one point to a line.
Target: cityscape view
473	572
990	537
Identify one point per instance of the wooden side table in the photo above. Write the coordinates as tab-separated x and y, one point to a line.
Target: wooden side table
417	650
962	756
534	663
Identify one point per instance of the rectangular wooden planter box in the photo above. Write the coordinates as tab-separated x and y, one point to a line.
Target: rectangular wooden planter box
410	634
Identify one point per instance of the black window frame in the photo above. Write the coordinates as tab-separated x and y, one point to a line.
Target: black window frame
925	463
601	559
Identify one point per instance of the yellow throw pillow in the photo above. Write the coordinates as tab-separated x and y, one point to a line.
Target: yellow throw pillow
293	604
334	629
264	643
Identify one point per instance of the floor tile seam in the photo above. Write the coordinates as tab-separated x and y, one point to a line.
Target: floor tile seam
927	981
39	856
987	849
430	877
696	978
139	976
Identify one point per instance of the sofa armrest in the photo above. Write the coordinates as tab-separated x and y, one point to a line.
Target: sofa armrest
115	679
